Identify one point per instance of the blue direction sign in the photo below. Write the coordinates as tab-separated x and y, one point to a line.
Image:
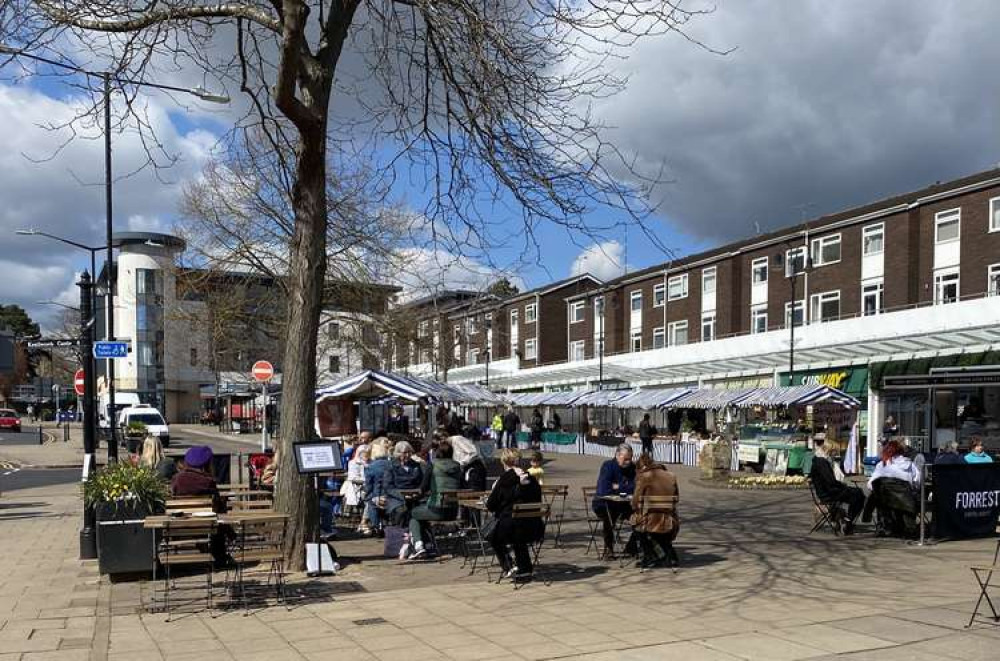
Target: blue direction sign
109	349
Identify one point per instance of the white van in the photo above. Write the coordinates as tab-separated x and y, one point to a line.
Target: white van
149	416
122	400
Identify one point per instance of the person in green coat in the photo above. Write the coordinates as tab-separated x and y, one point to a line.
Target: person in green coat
445	475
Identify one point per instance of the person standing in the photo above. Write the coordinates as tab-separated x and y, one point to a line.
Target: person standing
537	426
646	433
31	412
497	427
510	424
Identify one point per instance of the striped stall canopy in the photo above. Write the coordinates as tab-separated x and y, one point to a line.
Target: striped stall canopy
374	384
544	398
601	397
796	396
563	398
710	398
650	399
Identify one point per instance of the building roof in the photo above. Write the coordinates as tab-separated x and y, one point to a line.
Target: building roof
552	286
152	239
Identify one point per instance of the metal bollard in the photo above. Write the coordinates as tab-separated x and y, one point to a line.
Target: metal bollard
41	436
66	433
923	541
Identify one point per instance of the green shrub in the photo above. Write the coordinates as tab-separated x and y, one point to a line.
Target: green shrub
122	484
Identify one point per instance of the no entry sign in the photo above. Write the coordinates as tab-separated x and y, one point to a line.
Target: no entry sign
78	383
262	371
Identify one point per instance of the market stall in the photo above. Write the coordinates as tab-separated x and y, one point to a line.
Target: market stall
561	415
667	447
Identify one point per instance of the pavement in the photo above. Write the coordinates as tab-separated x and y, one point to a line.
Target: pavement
752	586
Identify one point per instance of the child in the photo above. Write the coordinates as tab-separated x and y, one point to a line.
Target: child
536	471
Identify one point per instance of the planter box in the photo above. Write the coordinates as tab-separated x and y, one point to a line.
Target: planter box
123	545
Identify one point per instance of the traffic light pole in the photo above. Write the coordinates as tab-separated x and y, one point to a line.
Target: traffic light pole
88	533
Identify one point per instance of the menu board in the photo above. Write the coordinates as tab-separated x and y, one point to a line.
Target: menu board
317	456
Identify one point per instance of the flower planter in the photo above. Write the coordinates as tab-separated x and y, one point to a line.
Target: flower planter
124	546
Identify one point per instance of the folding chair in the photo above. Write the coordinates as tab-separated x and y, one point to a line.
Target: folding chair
595	522
828	514
984	585
260	541
449	530
650	505
190	504
523	512
551	493
186	543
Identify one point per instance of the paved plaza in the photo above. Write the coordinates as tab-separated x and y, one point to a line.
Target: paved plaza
752	586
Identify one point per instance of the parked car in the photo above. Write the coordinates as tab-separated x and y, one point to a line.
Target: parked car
149	416
9	419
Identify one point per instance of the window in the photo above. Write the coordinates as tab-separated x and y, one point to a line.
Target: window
530	313
708	281
147	282
576	312
659	338
422	329
659	295
425	356
473	357
993	280
946	286
471	327
824	307
194	357
758	318
333	330
826	250
995	214
635	340
758	268
576	350
530	349
677	287
795	261
334	364
873	240
707	327
800	309
458	334
145	354
871	298
677	333
636	298
947	225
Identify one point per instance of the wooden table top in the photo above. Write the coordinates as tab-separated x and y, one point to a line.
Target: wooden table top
160	520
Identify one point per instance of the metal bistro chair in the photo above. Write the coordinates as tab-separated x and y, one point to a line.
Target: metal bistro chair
260	542
541	511
650	505
594	521
190	504
828	515
186	543
254	502
551	493
449	530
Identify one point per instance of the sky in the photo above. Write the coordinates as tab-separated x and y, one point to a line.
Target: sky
816	107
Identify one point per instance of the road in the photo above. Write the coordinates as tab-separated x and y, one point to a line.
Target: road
28	436
14	479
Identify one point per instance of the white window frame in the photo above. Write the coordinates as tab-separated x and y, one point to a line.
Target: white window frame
635	341
709	274
754	265
659	333
682	280
530	313
758	312
577	307
470	326
659	295
799	305
531	348
939	278
994	224
822	243
816	302
472	357
635	295
878	291
672	329
801	250
993	273
870	231
577	345
709	321
947	217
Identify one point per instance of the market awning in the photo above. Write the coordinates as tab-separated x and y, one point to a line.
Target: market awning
600	397
709	398
795	396
650	399
561	398
375	383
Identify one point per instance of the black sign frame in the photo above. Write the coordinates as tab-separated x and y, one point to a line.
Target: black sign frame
302	463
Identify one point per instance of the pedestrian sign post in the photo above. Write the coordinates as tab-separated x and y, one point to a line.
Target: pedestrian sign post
110	349
262	372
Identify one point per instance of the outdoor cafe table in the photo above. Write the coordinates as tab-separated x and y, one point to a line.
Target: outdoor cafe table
477	519
616	539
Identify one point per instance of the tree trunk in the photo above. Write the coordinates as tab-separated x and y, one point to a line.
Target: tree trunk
294	493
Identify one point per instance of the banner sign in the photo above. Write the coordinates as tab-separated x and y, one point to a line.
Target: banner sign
966	500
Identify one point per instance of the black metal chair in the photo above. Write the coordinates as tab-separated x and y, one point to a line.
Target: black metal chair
186	543
829	514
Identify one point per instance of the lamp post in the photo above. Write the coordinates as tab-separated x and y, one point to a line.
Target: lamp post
93	255
106	78
489	346
791	274
600	343
88	533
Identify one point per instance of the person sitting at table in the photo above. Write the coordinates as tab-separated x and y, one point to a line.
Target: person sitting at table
893	485
270	473
443	475
402	474
948	455
831	491
374	497
514	486
657	529
895	464
153	458
977	453
195	478
537	469
617	478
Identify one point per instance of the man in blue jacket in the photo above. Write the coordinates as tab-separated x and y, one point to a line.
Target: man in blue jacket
617	478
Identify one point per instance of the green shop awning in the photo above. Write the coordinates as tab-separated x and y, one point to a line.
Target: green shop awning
924	365
851	380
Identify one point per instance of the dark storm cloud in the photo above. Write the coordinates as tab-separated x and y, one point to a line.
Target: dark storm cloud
829	104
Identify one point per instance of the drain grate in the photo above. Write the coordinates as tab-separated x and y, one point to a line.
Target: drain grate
368	621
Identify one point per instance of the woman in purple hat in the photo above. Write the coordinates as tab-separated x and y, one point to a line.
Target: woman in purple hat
195	477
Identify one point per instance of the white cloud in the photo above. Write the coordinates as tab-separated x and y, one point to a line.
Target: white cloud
423	271
604	261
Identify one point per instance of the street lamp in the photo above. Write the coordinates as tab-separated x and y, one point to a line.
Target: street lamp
600	342
106	77
795	265
489	346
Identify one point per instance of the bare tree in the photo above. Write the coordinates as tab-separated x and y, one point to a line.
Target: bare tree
490	100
